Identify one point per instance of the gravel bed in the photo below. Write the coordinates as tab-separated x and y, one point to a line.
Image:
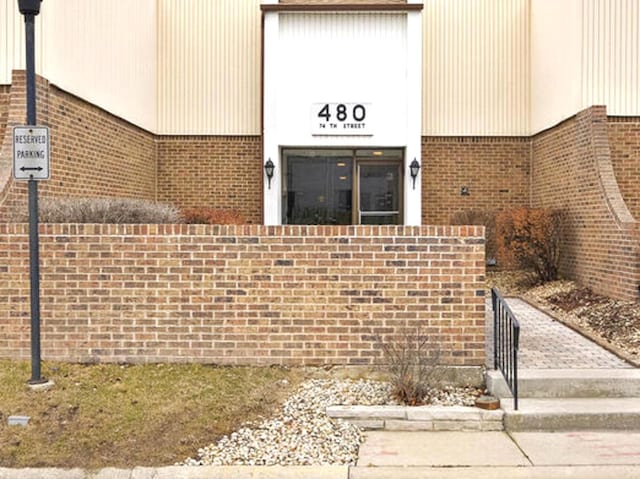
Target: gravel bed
302	434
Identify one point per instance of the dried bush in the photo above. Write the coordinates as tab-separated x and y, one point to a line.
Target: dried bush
412	363
532	237
486	218
101	210
212	216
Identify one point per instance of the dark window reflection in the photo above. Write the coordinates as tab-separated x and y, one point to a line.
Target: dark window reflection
319	190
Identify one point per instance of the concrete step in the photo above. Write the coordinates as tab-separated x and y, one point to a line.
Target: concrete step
565	414
569	383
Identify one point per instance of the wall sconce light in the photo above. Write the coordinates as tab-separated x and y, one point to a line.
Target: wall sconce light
29	7
464	191
415	169
268	169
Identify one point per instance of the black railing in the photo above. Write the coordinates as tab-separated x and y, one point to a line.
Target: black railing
506	337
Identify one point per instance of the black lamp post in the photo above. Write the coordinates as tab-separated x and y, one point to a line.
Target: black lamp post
268	169
31	8
415	169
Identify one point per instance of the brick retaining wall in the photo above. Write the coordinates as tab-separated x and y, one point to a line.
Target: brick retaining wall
243	294
572	170
93	153
4	107
624	139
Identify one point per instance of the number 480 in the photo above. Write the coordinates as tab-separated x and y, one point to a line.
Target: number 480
358	112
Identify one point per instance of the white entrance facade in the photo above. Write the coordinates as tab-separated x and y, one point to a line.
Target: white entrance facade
343	83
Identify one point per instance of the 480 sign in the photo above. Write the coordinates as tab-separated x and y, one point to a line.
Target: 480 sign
340	119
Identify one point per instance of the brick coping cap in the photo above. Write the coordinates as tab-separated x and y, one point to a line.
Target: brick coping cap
244	230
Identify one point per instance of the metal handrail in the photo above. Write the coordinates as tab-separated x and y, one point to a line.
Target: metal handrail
506	339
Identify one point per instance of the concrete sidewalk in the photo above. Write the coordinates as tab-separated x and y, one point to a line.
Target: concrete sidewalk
499	454
583	472
435	455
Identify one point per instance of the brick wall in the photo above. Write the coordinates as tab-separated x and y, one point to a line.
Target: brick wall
572	170
4	107
495	170
624	140
215	171
243	294
93	153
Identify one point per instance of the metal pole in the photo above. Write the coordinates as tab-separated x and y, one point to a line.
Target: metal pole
34	250
495	327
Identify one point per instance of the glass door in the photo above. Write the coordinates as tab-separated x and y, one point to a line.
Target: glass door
379	193
318	187
342	186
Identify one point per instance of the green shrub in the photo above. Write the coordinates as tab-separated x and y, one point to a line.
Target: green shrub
101	210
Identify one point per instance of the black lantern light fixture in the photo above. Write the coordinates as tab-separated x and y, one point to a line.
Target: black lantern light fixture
29	7
415	169
268	169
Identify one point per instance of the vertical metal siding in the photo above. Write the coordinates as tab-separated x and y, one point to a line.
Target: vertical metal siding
105	52
611	53
12	55
101	50
556	61
476	67
209	67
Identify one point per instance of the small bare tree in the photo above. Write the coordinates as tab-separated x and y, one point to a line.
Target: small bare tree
412	363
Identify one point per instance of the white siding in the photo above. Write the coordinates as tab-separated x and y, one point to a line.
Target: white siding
12	56
101	50
476	67
611	55
342	58
316	59
209	67
556	61
105	51
490	67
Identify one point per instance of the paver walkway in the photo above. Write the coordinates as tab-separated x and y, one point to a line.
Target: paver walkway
548	344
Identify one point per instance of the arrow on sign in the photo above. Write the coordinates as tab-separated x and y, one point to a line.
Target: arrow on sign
33	168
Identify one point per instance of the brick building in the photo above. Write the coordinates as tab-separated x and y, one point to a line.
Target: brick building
494	103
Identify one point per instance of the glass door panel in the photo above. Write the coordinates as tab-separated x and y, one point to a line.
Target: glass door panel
379	193
319	188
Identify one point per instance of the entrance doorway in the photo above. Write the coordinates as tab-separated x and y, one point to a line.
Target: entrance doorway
342	186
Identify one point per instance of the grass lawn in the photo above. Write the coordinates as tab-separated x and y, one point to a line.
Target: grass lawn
135	415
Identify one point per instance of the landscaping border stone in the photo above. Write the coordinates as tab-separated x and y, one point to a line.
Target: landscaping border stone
420	418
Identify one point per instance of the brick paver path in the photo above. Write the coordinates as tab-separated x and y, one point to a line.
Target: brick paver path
548	344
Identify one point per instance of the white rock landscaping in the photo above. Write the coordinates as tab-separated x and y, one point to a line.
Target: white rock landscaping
304	434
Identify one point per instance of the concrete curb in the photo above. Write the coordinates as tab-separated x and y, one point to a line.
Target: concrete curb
419	418
182	472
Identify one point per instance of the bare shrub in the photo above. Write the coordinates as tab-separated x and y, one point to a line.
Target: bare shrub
102	210
212	216
412	363
486	218
533	238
